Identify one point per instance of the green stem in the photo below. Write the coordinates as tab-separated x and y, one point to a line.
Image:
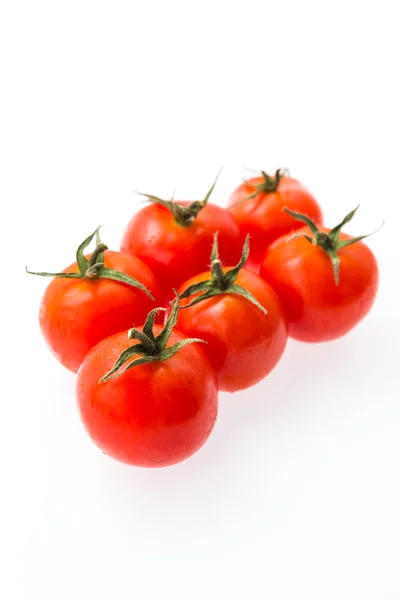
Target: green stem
323	240
147	342
183	215
95	267
329	242
270	183
218	274
98	255
221	282
150	348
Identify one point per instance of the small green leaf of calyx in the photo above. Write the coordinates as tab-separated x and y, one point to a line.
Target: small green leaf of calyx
183	215
113	373
148	326
44	274
335	264
270	183
148	345
335	232
156	200
330	242
150	348
169	352
162	339
303	218
203	286
126	355
106	273
82	261
220	282
210	191
94	268
232	274
237	289
344	243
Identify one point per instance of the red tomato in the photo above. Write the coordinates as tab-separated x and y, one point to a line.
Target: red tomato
177	247
257	205
243	343
154	414
102	294
318	308
75	314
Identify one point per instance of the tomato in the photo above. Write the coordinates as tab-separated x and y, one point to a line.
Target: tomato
327	283
175	238
258	203
81	307
241	319
160	408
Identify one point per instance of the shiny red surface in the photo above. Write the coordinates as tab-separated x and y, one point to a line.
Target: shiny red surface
153	415
175	253
302	275
75	314
263	216
243	344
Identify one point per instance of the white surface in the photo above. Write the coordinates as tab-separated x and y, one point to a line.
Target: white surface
296	495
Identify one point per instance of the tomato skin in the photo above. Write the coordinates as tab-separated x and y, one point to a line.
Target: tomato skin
154	415
243	344
75	314
263	216
302	275
175	253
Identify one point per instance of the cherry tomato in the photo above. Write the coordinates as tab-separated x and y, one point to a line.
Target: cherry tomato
78	311
257	205
160	409
241	319
327	283
175	238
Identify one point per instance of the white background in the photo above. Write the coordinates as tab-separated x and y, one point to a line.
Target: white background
296	494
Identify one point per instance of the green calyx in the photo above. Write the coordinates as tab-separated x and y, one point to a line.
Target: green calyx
150	348
183	215
94	268
270	183
329	242
220	282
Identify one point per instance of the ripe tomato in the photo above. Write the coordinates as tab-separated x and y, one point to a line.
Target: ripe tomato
258	203
106	293
161	408
175	238
327	283
241	319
